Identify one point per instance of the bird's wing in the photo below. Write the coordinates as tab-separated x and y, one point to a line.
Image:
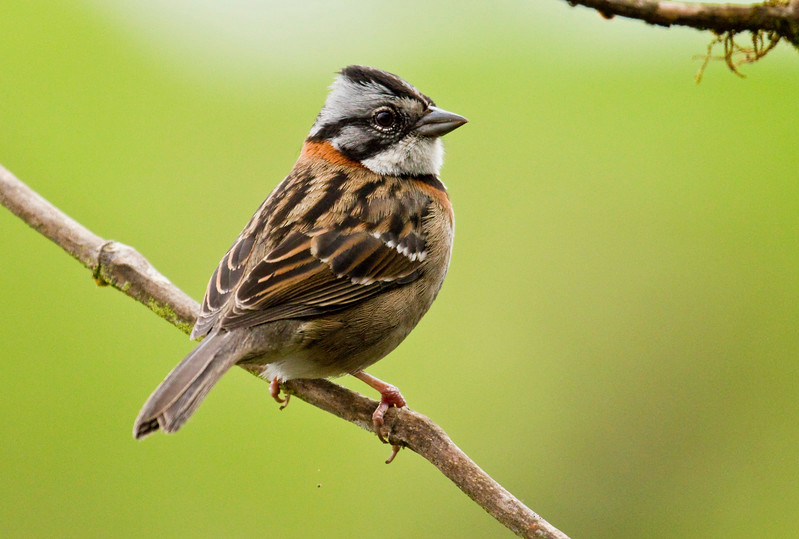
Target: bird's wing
319	271
223	282
349	253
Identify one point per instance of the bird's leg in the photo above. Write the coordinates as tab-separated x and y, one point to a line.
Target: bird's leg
274	390
389	396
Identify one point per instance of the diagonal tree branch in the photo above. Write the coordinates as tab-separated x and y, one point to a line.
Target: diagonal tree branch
779	16
122	267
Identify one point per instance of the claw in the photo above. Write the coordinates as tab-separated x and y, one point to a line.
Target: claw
377	420
389	396
285	402
394	450
274	390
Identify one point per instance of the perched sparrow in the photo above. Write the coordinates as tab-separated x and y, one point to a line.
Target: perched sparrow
339	263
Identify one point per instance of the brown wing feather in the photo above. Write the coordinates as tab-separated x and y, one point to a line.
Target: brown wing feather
333	270
224	280
312	248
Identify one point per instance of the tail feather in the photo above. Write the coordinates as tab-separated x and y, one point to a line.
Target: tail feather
178	396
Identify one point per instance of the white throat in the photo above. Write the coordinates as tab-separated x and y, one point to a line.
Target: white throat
414	156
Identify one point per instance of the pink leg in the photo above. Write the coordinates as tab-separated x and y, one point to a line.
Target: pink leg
274	390
389	396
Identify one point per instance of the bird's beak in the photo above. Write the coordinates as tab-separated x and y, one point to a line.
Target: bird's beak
437	122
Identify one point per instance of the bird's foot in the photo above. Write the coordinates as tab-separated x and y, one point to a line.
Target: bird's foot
389	396
274	390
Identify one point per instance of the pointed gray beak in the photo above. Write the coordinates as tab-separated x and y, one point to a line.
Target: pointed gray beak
438	122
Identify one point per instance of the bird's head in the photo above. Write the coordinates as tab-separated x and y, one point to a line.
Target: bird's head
379	120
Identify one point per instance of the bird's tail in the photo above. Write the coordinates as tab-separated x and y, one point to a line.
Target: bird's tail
178	396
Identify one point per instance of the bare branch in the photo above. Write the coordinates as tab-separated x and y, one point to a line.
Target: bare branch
112	263
777	16
125	269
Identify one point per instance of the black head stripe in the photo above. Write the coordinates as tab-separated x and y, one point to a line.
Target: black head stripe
330	131
392	83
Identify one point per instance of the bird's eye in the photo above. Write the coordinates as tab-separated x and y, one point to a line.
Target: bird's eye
385	118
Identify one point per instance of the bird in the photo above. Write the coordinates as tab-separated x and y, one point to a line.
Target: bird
341	260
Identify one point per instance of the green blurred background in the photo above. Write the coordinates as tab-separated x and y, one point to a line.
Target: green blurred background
617	339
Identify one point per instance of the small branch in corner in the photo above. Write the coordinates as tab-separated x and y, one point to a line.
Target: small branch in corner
769	23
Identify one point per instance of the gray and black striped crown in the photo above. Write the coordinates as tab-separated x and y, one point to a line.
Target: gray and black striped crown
392	84
386	124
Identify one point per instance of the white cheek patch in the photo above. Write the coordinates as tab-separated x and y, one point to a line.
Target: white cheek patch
410	156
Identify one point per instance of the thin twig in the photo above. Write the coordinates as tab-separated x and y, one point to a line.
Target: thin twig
125	269
777	16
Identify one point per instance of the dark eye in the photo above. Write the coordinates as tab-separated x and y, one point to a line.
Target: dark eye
385	117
